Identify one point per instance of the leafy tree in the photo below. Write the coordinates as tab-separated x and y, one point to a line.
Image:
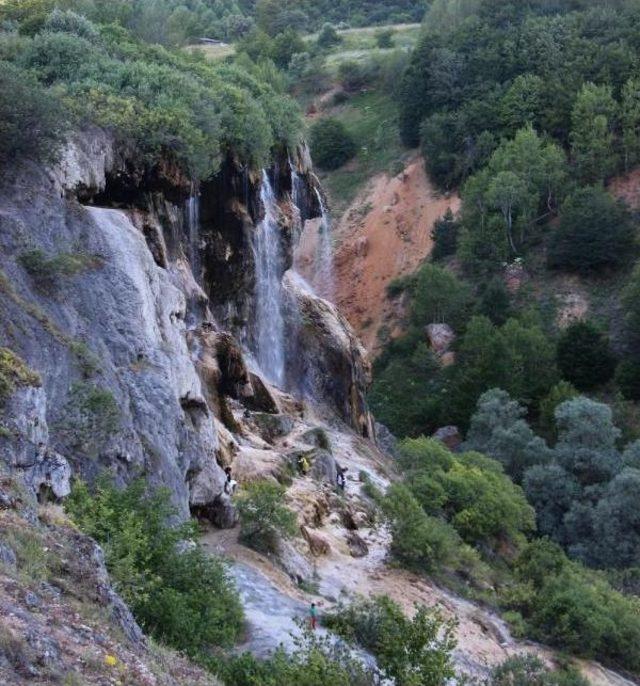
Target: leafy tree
33	119
331	143
409	651
263	517
384	38
438	296
631	304
587	440
499	430
522	103
562	391
328	37
495	301
630	119
616	521
182	597
627	379
584	356
444	236
594	119
595	233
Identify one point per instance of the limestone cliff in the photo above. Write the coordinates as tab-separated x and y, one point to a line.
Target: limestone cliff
139	322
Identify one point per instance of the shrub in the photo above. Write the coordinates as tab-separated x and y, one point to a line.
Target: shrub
445	236
628	379
356	76
46	272
182	598
561	392
331	143
14	373
33	121
328	36
263	517
584	356
384	38
70	22
439	296
91	417
529	670
595	233
408	651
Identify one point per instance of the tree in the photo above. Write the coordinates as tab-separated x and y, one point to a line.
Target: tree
631	304
263	517
584	356
630	119
499	430
439	296
384	38
508	193
593	122
444	236
495	301
595	233
628	378
587	441
562	391
617	521
522	103
328	36
33	121
331	143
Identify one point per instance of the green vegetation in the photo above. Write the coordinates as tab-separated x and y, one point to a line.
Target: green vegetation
331	144
91	416
529	670
584	357
180	595
263	517
47	272
409	651
14	373
167	102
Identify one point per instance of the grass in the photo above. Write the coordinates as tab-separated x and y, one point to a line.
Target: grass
405	36
371	119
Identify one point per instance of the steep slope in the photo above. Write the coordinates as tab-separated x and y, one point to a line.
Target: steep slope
385	234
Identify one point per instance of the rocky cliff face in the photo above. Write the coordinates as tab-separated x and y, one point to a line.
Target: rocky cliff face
140	358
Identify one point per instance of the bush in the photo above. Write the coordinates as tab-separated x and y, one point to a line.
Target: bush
356	76
184	599
14	373
408	651
331	143
445	236
584	357
529	670
595	233
328	37
439	296
263	517
69	22
628	379
384	38
33	121
46	272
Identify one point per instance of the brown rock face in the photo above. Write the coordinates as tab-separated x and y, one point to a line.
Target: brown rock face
317	543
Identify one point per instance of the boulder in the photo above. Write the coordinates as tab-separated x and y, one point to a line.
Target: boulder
272	426
318	544
323	466
450	436
357	545
440	337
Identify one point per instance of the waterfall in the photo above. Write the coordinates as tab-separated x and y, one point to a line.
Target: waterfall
296	199
193	226
269	322
323	280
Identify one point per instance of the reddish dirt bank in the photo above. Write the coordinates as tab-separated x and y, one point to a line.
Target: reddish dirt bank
386	233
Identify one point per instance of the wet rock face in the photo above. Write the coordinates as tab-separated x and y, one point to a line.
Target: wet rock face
329	364
120	388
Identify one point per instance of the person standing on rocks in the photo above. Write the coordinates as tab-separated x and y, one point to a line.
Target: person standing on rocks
341	478
229	485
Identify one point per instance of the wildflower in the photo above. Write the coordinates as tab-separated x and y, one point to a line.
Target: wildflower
110	660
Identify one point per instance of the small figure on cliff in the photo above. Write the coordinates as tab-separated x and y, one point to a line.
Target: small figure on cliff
229	485
313	617
341	478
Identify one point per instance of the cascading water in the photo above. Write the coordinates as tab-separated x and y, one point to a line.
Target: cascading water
193	226
323	281
269	322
